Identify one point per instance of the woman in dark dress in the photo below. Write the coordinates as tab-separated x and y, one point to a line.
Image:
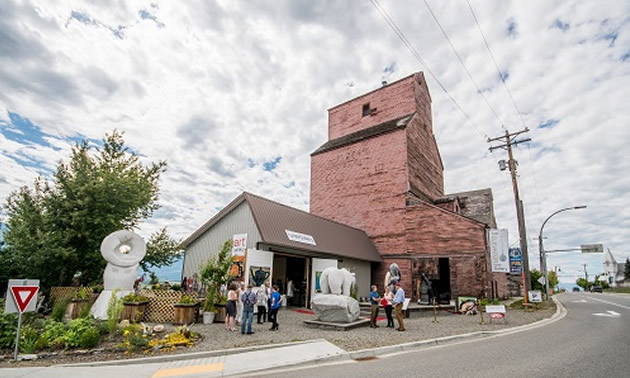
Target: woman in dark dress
230	308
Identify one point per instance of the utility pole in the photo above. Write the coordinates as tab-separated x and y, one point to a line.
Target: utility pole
510	140
585	274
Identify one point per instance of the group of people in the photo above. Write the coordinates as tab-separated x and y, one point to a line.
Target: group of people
392	300
243	302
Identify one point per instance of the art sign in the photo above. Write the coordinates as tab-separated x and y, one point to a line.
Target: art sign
239	244
498	242
516	261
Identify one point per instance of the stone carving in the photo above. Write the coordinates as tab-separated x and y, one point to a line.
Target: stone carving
334	304
392	276
335	308
336	281
123	251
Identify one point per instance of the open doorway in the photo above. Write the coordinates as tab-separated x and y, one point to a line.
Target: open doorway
443	284
289	273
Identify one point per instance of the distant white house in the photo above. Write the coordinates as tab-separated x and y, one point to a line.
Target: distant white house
613	271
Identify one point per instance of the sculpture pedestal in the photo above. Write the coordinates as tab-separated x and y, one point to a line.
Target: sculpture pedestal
99	308
335	308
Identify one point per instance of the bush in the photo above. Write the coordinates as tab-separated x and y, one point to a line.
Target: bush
28	339
134	339
73	336
114	310
8	328
90	338
59	309
52	335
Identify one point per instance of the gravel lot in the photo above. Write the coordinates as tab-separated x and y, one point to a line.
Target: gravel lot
214	337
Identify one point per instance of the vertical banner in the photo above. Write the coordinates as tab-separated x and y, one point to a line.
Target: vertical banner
516	261
498	243
239	244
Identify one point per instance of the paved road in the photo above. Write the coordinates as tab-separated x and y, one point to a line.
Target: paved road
593	340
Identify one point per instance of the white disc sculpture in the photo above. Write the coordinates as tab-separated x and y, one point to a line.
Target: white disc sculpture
123	251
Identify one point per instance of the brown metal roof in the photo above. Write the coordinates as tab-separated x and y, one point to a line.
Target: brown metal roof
274	219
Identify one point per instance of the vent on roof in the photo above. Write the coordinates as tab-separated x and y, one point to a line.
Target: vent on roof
366	109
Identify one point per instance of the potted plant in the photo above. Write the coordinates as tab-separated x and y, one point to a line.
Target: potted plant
80	303
186	310
214	274
134	306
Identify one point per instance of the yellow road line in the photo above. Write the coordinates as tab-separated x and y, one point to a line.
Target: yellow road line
186	370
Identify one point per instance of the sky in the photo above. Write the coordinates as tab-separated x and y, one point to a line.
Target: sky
234	96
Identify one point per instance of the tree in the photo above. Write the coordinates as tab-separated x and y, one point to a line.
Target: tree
553	279
54	229
162	250
626	270
535	275
216	272
583	283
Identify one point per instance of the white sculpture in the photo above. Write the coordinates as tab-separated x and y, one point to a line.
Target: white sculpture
123	251
336	281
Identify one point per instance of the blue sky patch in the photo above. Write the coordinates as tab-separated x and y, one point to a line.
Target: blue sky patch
512	28
504	75
391	68
558	24
145	15
548	124
23	131
625	56
251	163
271	165
612	37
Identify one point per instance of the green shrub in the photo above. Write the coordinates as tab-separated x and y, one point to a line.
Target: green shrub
187	299
28	339
52	335
90	338
114	310
8	328
85	312
76	329
133	339
59	309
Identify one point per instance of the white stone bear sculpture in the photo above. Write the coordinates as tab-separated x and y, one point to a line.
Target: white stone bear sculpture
336	281
123	251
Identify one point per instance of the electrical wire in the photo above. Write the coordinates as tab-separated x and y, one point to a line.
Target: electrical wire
461	61
415	53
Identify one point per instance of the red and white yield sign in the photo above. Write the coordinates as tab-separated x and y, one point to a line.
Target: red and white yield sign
24	294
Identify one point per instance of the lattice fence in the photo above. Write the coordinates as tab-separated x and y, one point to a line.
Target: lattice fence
160	308
65	292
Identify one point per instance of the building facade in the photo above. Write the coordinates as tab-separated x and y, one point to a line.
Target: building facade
381	171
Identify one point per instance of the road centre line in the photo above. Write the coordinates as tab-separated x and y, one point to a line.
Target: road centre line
610	303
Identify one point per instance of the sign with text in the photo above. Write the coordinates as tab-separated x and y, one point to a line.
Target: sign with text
239	244
300	238
535	296
498	242
21	296
516	261
495	311
592	248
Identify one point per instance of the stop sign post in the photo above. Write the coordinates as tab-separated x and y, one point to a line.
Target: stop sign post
24	294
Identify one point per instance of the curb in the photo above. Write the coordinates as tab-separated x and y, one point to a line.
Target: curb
186	356
415	345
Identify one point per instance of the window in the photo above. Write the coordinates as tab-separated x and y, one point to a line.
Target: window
366	110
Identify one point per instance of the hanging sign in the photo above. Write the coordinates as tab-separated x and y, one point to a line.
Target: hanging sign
300	238
516	261
498	243
239	244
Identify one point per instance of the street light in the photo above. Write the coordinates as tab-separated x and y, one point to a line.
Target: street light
543	256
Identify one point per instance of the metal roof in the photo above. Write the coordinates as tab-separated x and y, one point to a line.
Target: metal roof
274	219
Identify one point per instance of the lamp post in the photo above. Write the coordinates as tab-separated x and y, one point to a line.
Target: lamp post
543	256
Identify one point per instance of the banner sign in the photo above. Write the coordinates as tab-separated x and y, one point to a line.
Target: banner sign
300	238
516	261
239	244
592	248
498	242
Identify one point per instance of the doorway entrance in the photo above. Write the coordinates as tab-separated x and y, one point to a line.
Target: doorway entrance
443	284
289	273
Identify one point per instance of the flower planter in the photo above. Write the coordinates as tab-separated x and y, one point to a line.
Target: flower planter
185	313
208	317
134	311
220	313
76	306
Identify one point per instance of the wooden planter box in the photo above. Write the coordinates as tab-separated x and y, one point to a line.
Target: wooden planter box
220	313
186	313
134	311
76	306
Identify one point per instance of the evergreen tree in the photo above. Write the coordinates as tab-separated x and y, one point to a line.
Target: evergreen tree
626	270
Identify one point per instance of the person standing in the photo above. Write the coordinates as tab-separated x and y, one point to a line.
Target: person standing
374	303
248	299
273	309
230	308
388	299
239	304
261	304
399	299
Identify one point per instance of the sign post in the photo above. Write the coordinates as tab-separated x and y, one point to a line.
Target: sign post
23	292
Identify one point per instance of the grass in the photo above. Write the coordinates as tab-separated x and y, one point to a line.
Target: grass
618	290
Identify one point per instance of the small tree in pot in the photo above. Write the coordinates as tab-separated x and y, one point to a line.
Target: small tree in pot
214	274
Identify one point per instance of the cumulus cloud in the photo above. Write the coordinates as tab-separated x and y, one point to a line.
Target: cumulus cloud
234	96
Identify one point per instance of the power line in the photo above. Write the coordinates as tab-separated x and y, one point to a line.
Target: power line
495	64
461	61
415	53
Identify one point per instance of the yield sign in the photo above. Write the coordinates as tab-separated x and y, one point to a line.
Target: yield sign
23	295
